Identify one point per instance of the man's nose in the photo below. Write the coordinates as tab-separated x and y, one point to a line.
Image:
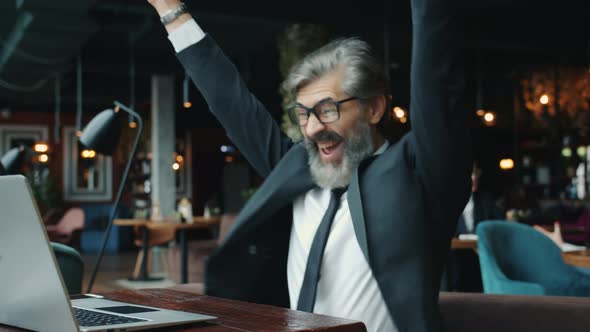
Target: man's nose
313	126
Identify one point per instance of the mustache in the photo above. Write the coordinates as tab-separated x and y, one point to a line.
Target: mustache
326	136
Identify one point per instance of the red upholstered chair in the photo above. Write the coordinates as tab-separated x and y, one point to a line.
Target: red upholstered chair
159	235
68	228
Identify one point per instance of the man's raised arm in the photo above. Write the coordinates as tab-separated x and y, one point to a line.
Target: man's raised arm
164	7
246	121
438	116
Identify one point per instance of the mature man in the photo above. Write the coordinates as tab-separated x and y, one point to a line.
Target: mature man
376	252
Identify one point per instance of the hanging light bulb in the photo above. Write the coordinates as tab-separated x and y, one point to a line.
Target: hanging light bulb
41	147
399	112
185	98
43	158
489	118
506	164
131	119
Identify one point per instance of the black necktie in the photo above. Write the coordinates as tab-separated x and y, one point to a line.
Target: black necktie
314	260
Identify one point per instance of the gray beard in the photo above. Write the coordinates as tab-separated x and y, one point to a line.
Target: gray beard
337	175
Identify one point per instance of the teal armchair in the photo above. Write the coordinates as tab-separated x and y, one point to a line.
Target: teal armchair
517	259
71	266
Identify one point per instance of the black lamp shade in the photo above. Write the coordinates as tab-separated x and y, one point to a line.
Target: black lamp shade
102	132
13	160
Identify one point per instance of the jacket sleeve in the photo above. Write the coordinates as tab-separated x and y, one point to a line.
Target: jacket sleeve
439	119
246	121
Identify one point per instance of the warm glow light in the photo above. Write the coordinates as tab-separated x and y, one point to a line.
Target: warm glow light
43	158
566	152
229	159
187	104
403	120
489	117
581	151
87	154
480	112
176	166
399	112
41	147
179	159
544	99
506	164
132	124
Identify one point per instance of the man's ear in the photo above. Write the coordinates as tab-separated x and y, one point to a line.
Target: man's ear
376	109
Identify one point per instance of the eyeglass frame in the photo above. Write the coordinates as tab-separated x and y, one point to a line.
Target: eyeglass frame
293	116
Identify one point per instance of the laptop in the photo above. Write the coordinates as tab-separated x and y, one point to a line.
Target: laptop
33	294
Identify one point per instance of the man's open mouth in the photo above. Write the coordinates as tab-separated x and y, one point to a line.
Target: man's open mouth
331	151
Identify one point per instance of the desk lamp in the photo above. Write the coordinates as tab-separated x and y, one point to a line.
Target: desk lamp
12	161
101	135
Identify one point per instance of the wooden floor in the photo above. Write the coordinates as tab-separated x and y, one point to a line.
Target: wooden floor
115	270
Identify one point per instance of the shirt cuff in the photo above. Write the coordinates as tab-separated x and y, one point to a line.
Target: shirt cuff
187	34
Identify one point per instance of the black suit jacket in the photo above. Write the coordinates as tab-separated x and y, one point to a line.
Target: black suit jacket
404	203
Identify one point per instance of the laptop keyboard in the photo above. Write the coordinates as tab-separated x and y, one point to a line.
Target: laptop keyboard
93	318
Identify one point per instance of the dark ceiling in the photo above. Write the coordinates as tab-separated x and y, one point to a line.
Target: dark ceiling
43	39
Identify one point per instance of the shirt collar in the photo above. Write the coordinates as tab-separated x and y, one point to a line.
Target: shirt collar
382	148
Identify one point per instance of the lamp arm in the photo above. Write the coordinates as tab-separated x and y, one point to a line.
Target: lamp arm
115	207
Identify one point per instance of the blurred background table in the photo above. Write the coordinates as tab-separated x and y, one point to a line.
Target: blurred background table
146	225
579	258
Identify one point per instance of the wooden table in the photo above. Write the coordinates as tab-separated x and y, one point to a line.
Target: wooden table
580	258
458	244
232	315
145	224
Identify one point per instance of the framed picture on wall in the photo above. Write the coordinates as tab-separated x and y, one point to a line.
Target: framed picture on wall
12	136
87	175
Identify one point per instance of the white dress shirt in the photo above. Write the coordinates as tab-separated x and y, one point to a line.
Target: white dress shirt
347	287
185	35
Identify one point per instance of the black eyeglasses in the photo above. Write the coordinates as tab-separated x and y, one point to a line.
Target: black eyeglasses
326	111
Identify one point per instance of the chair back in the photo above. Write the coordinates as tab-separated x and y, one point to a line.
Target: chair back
510	253
158	234
72	220
71	266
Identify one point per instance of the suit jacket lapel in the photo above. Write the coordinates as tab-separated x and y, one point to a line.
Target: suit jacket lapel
290	178
355	205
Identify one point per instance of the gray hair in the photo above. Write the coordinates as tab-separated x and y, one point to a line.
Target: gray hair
364	74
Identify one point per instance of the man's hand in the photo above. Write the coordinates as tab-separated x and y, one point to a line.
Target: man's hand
165	6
